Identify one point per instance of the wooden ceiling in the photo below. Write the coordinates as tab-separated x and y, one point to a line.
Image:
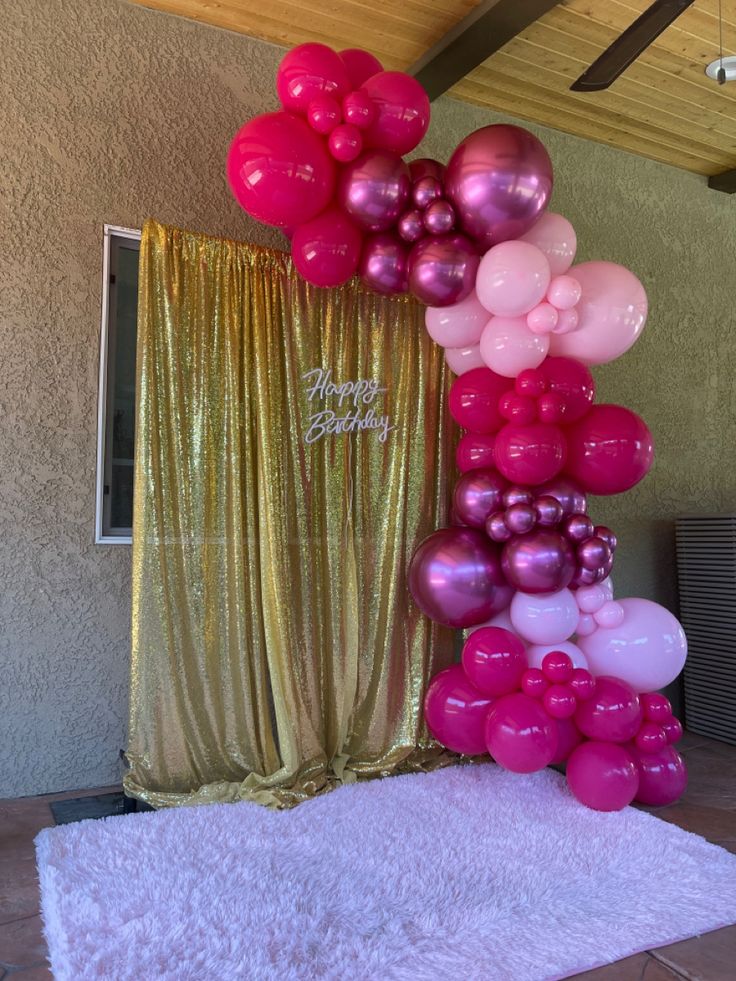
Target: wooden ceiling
663	107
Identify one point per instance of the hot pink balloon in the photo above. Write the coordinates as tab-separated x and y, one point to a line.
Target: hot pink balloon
662	776
613	714
555	237
541	561
455	712
478	494
609	450
324	114
536	653
520	736
568	737
360	65
512	279
462	359
508	346
474	451
383	264
459	325
326	249
531	454
442	269
358	109
544	618
494	660
500	180
647	650
611	312
455	576
279	170
474	398
374	189
402	111
345	143
573	382
307	72
602	776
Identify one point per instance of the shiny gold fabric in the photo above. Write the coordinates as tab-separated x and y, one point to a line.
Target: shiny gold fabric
276	651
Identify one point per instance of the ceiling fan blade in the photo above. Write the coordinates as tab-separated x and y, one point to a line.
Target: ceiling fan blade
627	48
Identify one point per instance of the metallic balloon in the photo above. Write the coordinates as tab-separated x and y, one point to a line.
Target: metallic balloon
496	527
426	167
477	495
520	518
548	510
374	189
439	217
425	191
500	181
567	492
593	553
577	527
455	578
383	263
540	562
411	225
600	531
517	495
442	269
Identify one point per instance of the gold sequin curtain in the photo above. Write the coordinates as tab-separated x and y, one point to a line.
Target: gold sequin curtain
275	648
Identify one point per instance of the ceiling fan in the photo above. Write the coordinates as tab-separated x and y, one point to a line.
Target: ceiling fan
627	48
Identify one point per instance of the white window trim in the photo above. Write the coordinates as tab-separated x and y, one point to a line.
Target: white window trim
101	539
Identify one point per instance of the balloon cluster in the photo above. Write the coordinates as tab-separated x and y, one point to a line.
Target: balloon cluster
617	744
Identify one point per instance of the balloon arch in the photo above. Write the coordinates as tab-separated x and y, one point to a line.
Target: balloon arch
554	669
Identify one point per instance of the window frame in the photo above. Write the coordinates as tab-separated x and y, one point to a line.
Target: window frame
109	232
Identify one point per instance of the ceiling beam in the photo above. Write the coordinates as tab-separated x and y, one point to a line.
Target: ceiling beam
474	39
723	182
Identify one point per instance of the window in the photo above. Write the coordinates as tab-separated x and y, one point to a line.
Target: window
116	409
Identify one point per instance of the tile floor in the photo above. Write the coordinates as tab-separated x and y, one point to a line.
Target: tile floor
708	808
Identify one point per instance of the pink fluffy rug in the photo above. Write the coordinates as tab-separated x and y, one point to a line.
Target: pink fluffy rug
468	872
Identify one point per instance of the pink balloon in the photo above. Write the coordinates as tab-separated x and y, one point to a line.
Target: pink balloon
358	109
426	167
512	279
567	492
612	312
455	712
536	653
520	736
383	264
613	714
324	114
542	319
326	249
656	706
531	454
502	620
508	347
402	111
426	190
541	561
455	576
478	494
609	450
602	776
442	269
374	189
345	143
439	218
567	320
411	225
308	71
474	451
647	650
555	237
360	65
459	325
544	618
573	382
474	398
494	660
568	737
499	179
462	359
279	170
662	776
564	292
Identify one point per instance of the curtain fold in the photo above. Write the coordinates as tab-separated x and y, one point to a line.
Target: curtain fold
275	648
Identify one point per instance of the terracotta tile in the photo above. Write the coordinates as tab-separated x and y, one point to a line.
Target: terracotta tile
40	973
640	967
712	822
710	957
19	894
23	817
22	943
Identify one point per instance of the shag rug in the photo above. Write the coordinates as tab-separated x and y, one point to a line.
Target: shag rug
466	873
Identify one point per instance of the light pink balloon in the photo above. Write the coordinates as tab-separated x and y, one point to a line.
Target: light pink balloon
647	650
537	652
542	319
462	359
555	237
544	618
459	325
591	598
586	625
513	278
564	292
501	619
567	320
611	614
611	312
508	347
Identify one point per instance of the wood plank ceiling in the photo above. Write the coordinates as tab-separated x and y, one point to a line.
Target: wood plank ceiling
663	107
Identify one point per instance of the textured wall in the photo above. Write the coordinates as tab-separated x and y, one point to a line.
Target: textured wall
111	113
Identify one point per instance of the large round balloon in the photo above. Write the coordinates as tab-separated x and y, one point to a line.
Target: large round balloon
602	776
647	650
360	65
474	398
613	714
374	189
494	660
531	454
474	452
455	577
609	450
307	72
459	325
508	347
326	249
612	311
478	493
442	269
555	237
455	711
402	111
567	492
541	561
662	776
500	180
544	618
383	263
279	170
462	359
512	279
520	736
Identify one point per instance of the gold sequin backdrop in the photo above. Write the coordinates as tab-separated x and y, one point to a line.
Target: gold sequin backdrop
276	650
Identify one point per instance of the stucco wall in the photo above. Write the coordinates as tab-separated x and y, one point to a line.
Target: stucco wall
111	113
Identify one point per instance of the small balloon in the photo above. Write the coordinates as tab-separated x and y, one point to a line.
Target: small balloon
564	292
358	109
555	237
477	495
656	707
520	518
324	114
345	143
442	269
518	408
568	493
650	738
541	561
426	167
508	346
463	359
577	528
573	383
513	278
559	702
439	218
567	321
611	614
548	510
411	225
458	325
383	264
536	654
474	398
455	711
374	189
496	527
542	319
425	191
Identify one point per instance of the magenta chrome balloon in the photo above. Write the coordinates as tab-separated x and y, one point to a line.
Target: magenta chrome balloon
541	561
383	263
455	578
442	269
374	189
500	181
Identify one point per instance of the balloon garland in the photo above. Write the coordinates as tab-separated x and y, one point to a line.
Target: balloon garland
554	669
